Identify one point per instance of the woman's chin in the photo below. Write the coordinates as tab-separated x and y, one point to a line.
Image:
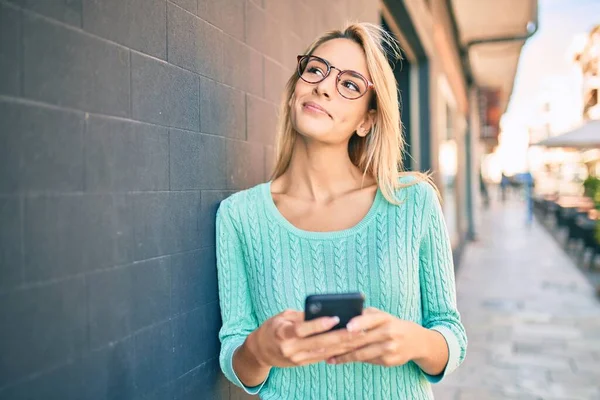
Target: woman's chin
313	134
313	129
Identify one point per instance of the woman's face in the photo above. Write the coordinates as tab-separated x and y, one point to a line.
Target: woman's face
318	111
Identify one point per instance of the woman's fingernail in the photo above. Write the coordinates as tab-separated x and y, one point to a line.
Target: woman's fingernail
333	321
352	327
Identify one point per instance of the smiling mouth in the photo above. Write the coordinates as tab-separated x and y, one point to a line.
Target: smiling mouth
313	108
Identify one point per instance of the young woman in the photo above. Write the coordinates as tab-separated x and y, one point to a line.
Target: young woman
339	215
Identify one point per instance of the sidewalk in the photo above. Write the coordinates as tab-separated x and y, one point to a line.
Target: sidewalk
532	318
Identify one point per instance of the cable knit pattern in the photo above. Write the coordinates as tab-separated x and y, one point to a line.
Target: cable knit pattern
296	267
255	239
341	278
316	251
299	290
398	256
417	205
225	280
362	274
400	250
276	270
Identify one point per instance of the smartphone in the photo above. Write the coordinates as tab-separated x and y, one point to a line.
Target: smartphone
343	305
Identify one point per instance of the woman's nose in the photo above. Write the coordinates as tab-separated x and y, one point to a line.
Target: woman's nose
327	86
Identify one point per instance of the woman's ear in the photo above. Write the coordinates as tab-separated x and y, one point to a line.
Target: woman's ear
367	124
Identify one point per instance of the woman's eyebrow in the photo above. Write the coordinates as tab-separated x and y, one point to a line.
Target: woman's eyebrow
355	73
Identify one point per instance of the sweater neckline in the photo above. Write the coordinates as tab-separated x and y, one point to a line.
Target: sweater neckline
282	221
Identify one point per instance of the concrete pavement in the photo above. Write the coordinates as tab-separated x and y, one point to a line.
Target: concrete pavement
532	318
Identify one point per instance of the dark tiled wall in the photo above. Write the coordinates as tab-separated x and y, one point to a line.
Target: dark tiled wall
123	124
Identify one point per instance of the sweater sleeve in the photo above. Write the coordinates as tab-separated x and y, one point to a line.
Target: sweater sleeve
438	290
237	311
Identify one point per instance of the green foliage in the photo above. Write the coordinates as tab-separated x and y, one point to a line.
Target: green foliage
591	187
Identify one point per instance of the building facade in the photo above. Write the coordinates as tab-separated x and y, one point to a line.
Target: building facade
461	60
589	61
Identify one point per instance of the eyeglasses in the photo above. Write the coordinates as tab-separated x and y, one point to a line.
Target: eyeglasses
350	84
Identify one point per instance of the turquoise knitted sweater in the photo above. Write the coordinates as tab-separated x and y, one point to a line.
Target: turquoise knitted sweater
398	256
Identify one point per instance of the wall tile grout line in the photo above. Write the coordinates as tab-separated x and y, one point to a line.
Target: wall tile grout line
246	102
84	152
30	102
169	158
130	86
88	329
52	281
90	350
50	194
167	31
22	53
21	199
199	109
108	41
80	30
207	22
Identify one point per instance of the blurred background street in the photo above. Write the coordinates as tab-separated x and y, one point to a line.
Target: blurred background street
532	315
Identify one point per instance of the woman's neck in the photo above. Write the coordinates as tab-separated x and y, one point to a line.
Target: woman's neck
320	172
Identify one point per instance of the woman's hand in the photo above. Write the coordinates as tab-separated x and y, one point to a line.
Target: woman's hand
384	340
287	340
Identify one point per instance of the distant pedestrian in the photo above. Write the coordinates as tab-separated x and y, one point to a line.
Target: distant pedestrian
504	183
485	195
528	184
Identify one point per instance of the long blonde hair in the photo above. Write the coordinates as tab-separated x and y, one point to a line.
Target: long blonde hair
379	153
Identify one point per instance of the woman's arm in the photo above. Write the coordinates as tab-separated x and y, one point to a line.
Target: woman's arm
433	353
247	366
445	344
237	312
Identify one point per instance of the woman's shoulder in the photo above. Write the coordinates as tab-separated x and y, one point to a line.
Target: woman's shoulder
240	203
415	187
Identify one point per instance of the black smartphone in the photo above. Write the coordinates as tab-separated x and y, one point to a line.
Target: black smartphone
343	305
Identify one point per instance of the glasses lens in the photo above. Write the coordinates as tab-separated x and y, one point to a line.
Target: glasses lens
351	85
312	69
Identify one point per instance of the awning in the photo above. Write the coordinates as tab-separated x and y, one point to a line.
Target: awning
585	137
493	33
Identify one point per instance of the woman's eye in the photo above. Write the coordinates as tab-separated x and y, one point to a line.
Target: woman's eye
350	85
315	70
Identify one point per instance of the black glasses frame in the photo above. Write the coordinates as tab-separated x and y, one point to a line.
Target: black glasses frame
301	58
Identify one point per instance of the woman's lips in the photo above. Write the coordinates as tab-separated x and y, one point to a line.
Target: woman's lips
315	108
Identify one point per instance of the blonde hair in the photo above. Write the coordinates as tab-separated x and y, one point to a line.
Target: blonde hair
379	153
